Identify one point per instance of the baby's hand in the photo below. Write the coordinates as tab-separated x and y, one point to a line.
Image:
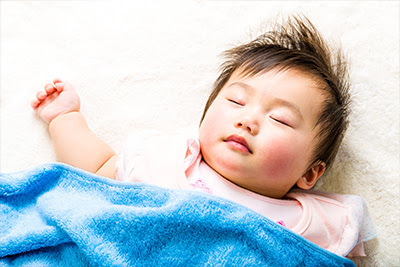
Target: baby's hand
57	99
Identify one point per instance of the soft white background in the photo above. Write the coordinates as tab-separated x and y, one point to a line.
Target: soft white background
150	65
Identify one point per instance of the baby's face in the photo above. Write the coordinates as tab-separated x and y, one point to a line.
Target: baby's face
259	133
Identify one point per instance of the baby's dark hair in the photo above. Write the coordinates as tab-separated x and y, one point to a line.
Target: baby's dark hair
296	44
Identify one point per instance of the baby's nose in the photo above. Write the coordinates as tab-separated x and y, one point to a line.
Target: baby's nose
249	124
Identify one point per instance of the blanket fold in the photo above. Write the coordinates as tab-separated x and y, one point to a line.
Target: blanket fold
55	214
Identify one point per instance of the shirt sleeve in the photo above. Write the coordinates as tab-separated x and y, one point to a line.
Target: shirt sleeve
360	227
356	228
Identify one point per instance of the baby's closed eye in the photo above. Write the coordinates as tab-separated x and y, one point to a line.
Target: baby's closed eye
282	121
283	116
236	101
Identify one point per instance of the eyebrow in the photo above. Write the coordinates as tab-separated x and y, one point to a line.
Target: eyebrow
279	101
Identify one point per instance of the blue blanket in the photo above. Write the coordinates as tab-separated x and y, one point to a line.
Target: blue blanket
58	215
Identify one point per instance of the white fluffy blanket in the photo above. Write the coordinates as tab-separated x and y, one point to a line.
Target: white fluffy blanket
150	65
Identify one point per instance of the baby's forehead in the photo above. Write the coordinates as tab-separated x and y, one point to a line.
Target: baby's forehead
301	74
245	75
247	71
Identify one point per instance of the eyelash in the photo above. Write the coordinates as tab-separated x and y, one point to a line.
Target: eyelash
235	102
279	121
276	120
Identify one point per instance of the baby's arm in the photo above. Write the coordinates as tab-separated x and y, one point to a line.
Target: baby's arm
74	142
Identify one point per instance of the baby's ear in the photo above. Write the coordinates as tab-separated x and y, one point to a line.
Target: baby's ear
308	179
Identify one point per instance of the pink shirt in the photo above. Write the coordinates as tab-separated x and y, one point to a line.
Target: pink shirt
338	223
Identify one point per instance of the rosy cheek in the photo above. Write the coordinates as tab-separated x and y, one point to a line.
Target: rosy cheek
278	159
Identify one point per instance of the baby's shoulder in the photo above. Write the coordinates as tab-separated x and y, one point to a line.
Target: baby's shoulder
344	217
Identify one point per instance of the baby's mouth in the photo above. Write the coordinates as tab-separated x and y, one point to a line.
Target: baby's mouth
239	143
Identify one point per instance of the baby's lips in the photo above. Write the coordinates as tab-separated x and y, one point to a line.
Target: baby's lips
240	140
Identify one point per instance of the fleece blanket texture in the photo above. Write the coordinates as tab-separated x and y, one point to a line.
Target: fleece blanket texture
58	215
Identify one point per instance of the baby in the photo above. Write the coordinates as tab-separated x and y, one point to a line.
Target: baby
270	129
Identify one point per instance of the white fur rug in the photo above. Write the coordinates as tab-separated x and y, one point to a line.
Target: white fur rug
150	65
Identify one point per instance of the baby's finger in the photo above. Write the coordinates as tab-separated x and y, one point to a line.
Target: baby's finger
59	86
35	103
41	96
57	80
50	88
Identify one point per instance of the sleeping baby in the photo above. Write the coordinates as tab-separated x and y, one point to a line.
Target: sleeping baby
270	129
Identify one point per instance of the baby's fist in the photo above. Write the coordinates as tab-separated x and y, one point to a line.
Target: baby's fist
57	99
